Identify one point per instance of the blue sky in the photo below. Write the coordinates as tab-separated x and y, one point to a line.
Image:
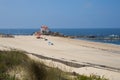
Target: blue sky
60	13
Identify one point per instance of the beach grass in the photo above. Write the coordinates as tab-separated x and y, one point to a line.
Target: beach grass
16	65
91	77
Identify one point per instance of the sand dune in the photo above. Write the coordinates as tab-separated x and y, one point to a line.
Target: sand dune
103	59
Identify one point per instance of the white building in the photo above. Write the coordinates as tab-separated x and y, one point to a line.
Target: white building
44	29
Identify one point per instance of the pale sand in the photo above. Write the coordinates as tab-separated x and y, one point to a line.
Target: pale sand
98	58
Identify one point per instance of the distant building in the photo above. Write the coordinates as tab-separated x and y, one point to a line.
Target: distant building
44	29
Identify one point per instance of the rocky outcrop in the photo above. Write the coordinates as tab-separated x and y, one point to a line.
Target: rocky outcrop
6	36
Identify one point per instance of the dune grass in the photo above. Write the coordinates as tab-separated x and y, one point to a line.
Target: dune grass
16	65
91	77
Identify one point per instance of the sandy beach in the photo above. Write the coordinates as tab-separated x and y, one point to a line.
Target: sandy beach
90	57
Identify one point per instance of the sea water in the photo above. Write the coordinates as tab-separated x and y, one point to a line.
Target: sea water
72	32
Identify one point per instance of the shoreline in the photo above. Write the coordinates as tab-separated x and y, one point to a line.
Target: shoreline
117	52
84	40
98	42
92	38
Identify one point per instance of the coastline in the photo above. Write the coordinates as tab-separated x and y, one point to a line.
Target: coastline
104	43
99	42
104	35
99	56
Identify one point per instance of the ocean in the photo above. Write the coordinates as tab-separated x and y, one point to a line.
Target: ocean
72	32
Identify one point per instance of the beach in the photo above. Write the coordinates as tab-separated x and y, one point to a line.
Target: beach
80	56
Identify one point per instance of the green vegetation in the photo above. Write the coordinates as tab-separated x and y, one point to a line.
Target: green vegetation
15	65
91	77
